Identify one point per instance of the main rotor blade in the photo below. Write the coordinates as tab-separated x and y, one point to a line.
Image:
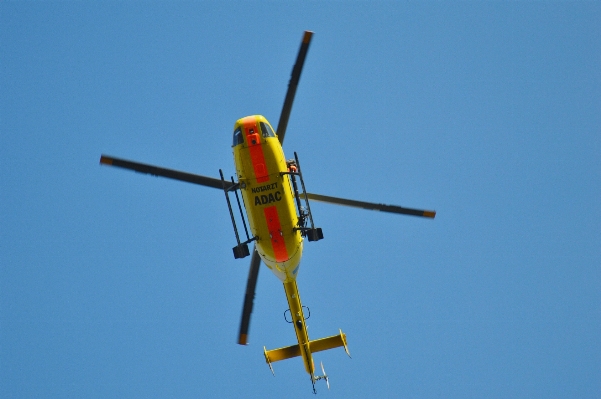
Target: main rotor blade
164	172
292	84
249	297
371	206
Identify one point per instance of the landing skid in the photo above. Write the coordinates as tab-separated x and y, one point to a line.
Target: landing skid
240	250
312	233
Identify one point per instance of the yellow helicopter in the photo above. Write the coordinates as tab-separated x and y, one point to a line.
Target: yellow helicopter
278	213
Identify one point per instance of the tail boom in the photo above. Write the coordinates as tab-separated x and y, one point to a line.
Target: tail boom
305	347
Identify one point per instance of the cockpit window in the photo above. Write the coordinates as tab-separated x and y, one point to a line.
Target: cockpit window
238	139
267	130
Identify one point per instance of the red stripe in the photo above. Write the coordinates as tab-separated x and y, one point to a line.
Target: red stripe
275	230
256	150
258	159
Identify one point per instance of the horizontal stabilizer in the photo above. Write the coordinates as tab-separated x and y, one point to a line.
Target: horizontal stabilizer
318	345
288	352
332	342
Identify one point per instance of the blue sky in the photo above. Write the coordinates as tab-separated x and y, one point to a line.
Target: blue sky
115	284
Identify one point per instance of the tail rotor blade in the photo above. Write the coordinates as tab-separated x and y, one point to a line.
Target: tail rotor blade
292	85
325	376
249	296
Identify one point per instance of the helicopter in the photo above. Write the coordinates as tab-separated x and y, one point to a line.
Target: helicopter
277	208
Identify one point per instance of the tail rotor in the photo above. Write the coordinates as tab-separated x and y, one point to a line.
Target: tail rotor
316	378
325	376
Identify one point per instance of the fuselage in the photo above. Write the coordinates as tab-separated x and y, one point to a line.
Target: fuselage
268	196
270	204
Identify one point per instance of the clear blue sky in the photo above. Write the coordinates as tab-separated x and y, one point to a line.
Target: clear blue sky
116	284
